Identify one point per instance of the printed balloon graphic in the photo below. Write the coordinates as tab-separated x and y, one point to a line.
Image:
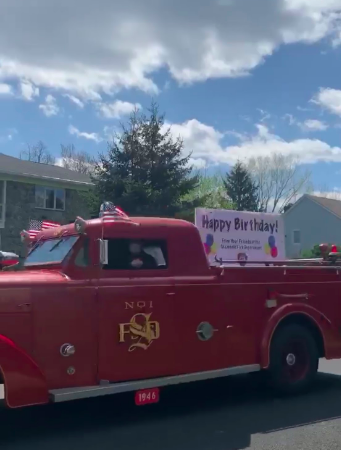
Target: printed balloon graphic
210	246
267	249
272	241
272	247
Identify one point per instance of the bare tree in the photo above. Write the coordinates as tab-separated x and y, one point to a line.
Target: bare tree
38	153
280	180
79	161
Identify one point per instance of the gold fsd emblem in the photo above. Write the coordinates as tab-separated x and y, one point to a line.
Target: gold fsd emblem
140	332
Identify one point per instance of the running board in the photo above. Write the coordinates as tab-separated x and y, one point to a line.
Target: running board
63	395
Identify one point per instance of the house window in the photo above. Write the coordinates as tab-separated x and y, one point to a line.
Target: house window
2	203
128	254
296	236
50	198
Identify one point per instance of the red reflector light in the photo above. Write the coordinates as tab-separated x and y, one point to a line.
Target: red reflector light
147	396
9	262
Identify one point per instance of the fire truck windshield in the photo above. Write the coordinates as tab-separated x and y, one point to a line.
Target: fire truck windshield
52	251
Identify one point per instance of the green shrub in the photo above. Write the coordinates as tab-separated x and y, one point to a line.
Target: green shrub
315	252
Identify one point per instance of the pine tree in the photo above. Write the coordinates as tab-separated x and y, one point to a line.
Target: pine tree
144	171
241	189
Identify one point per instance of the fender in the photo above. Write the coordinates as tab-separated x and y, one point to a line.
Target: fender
328	332
25	384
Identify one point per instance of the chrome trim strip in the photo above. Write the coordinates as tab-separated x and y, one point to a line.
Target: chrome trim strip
63	395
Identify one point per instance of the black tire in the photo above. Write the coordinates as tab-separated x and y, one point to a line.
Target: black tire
294	360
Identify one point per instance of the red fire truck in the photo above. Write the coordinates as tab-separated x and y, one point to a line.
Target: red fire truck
118	304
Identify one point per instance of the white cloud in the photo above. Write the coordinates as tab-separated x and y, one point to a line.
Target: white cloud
333	194
116	109
265	115
28	90
110	132
314	125
8	135
83	134
198	163
75	100
309	125
11	133
290	118
206	143
50	107
330	99
301	108
6	89
131	40
202	140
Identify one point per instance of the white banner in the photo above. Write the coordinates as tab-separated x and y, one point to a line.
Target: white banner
240	235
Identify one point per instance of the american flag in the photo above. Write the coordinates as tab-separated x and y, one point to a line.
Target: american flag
111	213
36	226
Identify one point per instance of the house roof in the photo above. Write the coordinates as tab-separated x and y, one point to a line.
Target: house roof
331	205
19	167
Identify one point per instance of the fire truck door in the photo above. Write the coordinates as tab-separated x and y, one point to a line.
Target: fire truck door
135	327
65	334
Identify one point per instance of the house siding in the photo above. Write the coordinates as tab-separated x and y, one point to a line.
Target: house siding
316	224
20	209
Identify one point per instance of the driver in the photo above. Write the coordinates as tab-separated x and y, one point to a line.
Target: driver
139	259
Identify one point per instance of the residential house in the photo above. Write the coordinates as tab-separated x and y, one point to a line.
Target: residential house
311	220
30	190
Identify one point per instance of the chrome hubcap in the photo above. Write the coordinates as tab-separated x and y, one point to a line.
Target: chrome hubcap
291	359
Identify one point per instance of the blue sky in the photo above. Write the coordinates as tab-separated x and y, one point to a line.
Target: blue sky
236	79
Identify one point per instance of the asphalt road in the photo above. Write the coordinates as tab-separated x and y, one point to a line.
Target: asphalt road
230	414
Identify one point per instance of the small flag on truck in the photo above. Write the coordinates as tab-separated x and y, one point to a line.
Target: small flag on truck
110	213
36	226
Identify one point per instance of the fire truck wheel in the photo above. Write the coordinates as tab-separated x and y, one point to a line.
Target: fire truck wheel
293	359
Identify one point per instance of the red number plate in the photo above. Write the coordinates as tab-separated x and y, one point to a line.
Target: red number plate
147	396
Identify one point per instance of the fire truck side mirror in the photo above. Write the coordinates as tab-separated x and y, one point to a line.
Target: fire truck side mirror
25	237
80	225
103	251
